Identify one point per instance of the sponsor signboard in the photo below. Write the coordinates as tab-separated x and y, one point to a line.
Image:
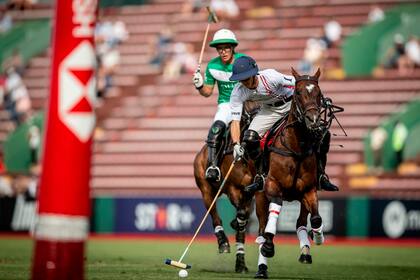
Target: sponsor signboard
160	215
395	218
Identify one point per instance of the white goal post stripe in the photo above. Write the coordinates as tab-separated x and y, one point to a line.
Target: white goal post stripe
54	227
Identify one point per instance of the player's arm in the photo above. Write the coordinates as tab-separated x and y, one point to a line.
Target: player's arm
236	105
204	86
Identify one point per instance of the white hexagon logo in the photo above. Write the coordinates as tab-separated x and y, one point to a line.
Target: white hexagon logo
77	91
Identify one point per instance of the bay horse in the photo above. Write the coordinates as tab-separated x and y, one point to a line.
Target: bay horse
292	162
241	176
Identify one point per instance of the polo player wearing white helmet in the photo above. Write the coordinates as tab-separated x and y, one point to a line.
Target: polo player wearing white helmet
219	69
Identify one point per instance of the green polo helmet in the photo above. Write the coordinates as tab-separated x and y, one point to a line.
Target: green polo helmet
224	36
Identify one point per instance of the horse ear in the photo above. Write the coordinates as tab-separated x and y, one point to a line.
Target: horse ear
317	74
294	73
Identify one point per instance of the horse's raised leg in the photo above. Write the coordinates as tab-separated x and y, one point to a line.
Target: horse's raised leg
276	202
302	234
310	200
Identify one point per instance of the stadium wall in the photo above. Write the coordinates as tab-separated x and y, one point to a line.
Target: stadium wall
343	217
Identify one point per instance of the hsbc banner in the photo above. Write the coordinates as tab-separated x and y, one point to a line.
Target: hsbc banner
395	218
160	215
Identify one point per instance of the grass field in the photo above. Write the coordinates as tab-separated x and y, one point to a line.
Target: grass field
114	259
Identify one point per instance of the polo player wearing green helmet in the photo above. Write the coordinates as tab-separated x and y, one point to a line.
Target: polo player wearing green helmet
219	70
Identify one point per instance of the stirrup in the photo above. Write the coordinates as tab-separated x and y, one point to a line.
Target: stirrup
326	185
213	173
259	179
257	185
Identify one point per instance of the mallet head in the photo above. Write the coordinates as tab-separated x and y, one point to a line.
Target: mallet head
177	264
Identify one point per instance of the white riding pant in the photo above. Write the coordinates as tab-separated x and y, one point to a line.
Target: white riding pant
267	116
223	113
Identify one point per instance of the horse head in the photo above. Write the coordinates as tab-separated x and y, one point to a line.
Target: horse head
307	101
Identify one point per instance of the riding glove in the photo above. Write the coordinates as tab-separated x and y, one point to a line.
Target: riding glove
238	151
198	80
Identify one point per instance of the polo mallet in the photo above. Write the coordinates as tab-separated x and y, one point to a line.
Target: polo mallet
211	18
179	263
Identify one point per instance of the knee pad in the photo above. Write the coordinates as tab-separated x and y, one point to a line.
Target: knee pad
252	141
216	133
316	221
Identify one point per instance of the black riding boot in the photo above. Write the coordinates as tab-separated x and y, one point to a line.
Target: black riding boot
213	171
324	181
213	143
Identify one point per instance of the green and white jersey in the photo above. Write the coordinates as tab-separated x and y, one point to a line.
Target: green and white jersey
217	71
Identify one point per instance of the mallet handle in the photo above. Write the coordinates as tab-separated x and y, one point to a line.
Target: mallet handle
200	59
208	211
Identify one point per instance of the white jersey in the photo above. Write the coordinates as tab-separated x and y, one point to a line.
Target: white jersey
272	87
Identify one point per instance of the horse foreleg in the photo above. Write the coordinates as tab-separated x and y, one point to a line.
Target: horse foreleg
208	195
261	209
310	200
302	234
276	202
242	204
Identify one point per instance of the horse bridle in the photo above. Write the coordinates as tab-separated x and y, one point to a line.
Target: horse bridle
300	113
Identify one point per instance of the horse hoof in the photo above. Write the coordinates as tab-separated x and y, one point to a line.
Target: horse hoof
318	239
262	272
267	249
224	248
307	259
240	266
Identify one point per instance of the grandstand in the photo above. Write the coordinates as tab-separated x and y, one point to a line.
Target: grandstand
150	130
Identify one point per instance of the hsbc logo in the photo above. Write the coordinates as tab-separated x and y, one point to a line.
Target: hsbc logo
77	91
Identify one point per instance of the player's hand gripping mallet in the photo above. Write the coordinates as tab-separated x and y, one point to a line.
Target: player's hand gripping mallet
179	263
212	18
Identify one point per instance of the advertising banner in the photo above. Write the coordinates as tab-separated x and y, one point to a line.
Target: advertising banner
160	215
395	218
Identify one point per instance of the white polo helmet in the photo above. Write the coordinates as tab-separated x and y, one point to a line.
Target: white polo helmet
224	36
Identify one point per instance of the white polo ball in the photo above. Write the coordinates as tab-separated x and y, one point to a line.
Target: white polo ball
183	273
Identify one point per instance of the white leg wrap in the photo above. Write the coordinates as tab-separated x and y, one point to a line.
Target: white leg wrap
240	248
318	235
217	229
302	235
261	258
274	211
260	241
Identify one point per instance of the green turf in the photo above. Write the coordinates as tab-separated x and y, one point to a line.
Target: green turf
136	259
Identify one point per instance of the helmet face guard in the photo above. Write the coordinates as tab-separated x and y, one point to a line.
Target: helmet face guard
244	67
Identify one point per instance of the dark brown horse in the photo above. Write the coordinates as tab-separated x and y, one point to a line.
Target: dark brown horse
293	166
242	175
